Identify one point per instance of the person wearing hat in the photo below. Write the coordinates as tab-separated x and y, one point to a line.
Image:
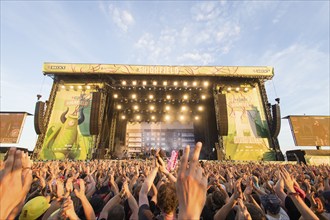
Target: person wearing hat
35	208
272	206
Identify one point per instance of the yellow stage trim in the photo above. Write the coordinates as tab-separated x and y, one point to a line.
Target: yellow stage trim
229	71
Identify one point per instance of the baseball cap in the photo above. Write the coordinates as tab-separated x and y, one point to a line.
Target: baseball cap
271	203
34	208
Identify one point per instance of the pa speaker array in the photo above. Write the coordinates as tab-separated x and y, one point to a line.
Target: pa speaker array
276	120
223	116
95	112
39	117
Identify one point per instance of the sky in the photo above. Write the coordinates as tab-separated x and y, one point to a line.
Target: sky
291	36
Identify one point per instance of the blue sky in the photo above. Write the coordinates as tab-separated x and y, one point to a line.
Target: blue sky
291	36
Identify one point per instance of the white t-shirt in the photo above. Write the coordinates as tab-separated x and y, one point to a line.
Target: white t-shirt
282	215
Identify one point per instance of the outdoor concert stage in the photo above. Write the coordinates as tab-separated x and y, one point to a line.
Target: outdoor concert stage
111	111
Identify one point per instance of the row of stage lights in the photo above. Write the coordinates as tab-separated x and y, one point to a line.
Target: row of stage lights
164	83
152	108
243	88
153	118
168	97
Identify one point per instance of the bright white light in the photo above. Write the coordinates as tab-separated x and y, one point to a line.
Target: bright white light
115	96
88	87
144	83
167	108
118	106
123	83
175	83
200	108
138	117
229	89
71	87
185	97
206	83
152	107
168	97
151	96
246	89
153	117
63	86
183	108
133	96
185	83
196	118
154	83
79	87
167	117
134	83
181	117
237	89
165	83
135	107
194	83
203	97
123	117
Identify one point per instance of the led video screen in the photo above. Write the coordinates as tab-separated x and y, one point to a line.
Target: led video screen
310	130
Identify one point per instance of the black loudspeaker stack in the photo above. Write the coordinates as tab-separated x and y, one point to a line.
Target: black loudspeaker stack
223	116
276	120
95	112
39	117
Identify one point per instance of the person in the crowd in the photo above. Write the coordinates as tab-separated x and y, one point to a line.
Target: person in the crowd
149	189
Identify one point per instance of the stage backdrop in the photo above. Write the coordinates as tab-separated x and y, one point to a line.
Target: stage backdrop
68	135
248	130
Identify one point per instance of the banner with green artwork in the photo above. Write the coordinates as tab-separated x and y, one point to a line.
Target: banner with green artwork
67	135
248	131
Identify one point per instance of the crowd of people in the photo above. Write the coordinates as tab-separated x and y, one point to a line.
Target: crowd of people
146	189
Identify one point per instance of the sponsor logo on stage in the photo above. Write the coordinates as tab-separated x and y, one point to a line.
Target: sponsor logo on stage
261	70
57	67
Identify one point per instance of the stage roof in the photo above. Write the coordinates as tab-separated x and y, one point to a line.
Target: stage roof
160	70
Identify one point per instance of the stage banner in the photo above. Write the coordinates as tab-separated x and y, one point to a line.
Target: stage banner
11	124
67	135
248	131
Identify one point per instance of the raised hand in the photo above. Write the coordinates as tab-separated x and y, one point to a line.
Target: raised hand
191	185
15	181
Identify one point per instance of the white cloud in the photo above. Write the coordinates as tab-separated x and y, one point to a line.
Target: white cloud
121	18
203	58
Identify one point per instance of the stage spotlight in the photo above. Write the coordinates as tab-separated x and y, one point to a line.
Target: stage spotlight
237	89
183	108
194	83
154	83
167	108
181	118
144	83
165	83
167	117
151	96
196	118
200	108
133	96
153	117
168	97
118	106
138	117
229	89
185	97
175	83
63	86
71	87
134	83
88	87
115	96
135	107
123	117
152	107
246	89
124	83
206	83
185	83
203	97
79	87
